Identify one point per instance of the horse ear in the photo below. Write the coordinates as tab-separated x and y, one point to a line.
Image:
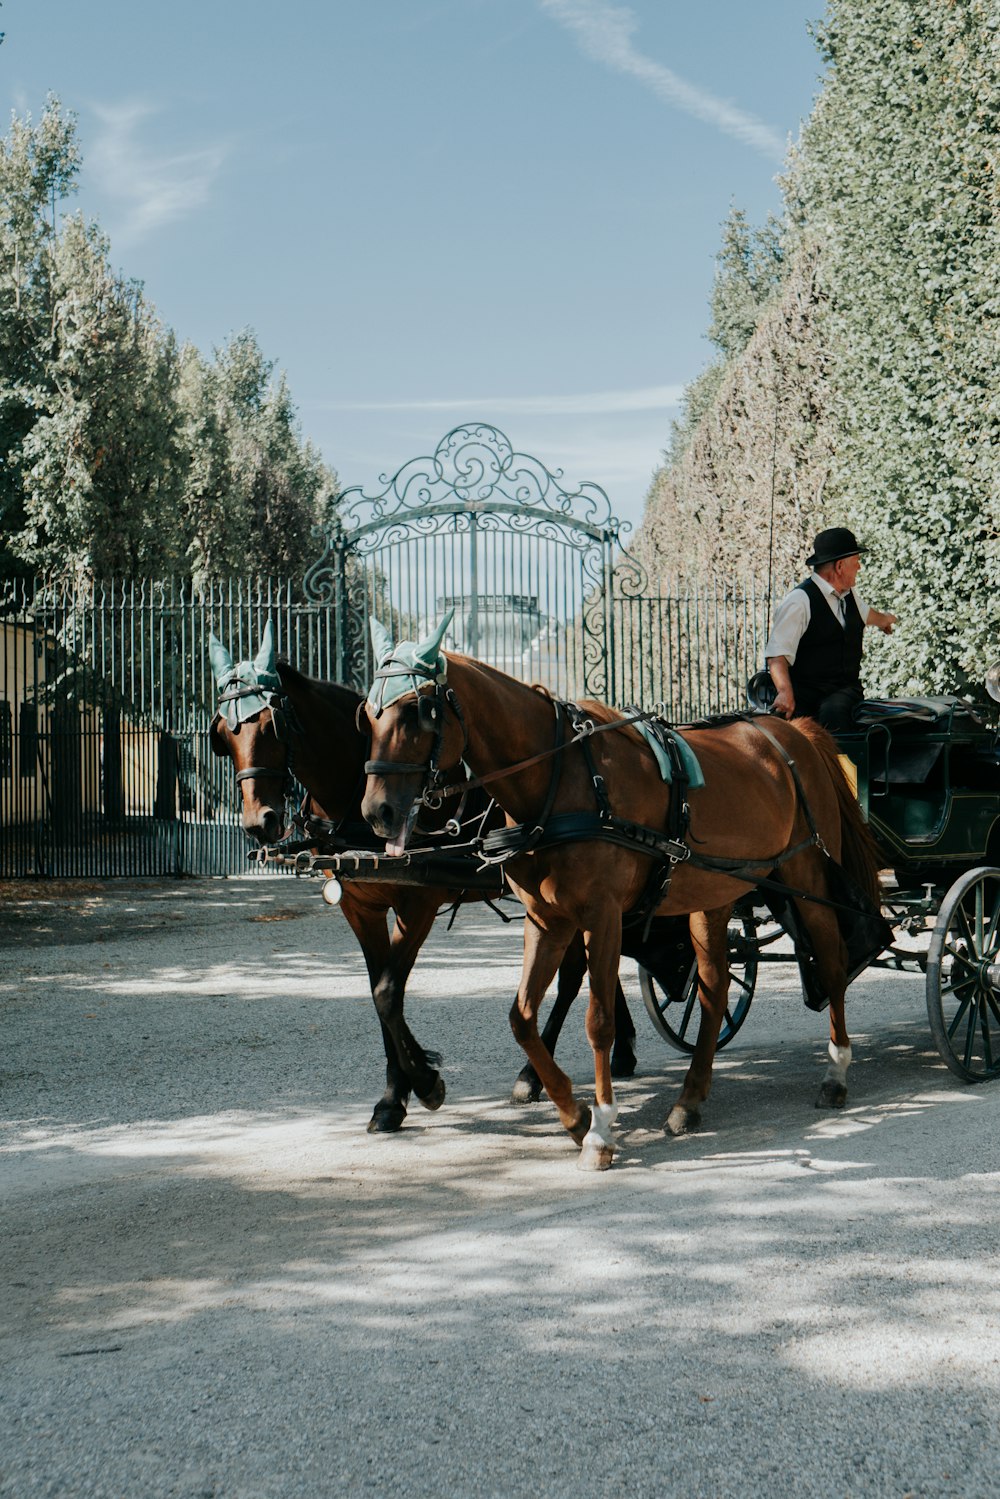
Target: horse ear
428	650
264	660
382	641
222	661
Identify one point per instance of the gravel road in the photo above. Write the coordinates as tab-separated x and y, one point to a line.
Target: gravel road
215	1283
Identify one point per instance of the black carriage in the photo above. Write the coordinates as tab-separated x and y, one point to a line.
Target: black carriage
926	772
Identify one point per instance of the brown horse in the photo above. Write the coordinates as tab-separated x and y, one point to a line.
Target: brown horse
298	723
750	810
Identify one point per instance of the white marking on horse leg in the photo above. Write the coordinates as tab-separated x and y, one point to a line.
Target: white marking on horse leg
602	1117
840	1060
599	1142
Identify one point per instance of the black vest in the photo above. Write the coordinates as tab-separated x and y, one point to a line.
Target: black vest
829	654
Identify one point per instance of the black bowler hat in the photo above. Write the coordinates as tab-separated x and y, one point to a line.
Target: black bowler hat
833	544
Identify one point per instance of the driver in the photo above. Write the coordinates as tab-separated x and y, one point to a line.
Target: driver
814	648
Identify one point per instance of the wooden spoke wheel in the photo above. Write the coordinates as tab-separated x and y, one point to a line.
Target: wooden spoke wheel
963	977
677	1015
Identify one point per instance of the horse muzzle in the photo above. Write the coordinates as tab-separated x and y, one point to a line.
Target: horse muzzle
265	824
390	819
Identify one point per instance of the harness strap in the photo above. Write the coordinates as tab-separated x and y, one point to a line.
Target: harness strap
396	768
584	729
582	827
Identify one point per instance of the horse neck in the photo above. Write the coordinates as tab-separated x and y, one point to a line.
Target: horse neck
328	752
506	722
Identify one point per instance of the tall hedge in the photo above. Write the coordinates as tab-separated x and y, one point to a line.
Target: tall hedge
898	177
894	191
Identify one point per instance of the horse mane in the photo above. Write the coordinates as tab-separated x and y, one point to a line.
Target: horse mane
860	854
334	693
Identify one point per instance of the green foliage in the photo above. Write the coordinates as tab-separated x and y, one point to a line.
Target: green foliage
748	273
120	455
254	489
898	174
742	495
99	467
888	378
38	166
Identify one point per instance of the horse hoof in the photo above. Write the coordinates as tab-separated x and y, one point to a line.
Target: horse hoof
435	1098
623	1065
581	1129
832	1095
386	1119
526	1090
681	1121
596	1157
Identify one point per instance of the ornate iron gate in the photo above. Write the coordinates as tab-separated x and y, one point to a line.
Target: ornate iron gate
526	564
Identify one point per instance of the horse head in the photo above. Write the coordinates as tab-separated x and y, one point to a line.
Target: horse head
413	734
250	727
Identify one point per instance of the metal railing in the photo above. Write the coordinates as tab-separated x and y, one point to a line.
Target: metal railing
106	697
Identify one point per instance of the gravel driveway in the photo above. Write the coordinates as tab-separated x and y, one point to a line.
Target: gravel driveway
215	1283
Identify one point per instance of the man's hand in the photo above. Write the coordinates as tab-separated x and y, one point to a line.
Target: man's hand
883	622
784	703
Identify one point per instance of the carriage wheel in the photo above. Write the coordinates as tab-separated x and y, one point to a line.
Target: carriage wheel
676	1017
963	977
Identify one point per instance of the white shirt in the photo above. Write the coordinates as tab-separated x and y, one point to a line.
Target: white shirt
791	618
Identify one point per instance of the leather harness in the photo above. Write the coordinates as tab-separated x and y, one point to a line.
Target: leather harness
666	848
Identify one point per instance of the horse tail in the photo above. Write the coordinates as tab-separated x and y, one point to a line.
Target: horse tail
860	854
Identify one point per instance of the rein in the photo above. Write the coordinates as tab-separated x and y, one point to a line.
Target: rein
585	728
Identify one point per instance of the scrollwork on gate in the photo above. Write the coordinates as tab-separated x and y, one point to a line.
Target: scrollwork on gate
475	486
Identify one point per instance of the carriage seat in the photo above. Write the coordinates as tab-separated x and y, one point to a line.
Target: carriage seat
940	711
914	731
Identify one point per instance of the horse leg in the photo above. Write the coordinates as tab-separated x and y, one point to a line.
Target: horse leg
824	934
623	1057
415	912
528	1086
372	932
709	934
603	956
542	953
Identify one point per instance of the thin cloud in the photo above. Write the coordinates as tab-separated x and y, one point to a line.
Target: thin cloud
150	190
604	33
602	403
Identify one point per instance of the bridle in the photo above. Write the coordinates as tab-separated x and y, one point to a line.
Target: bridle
283	722
431	713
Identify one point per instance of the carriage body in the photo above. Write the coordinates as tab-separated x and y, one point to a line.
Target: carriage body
927	776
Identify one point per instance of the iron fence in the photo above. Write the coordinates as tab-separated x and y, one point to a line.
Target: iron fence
106	697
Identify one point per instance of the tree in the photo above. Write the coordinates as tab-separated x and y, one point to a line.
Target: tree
254	488
748	273
38	168
118	454
99	468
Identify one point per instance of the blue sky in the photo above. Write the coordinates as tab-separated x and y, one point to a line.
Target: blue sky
433	210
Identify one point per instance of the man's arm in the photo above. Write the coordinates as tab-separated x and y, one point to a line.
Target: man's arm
784	703
883	622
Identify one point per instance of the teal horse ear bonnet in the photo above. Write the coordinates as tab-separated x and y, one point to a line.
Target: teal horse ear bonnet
405	667
245	686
